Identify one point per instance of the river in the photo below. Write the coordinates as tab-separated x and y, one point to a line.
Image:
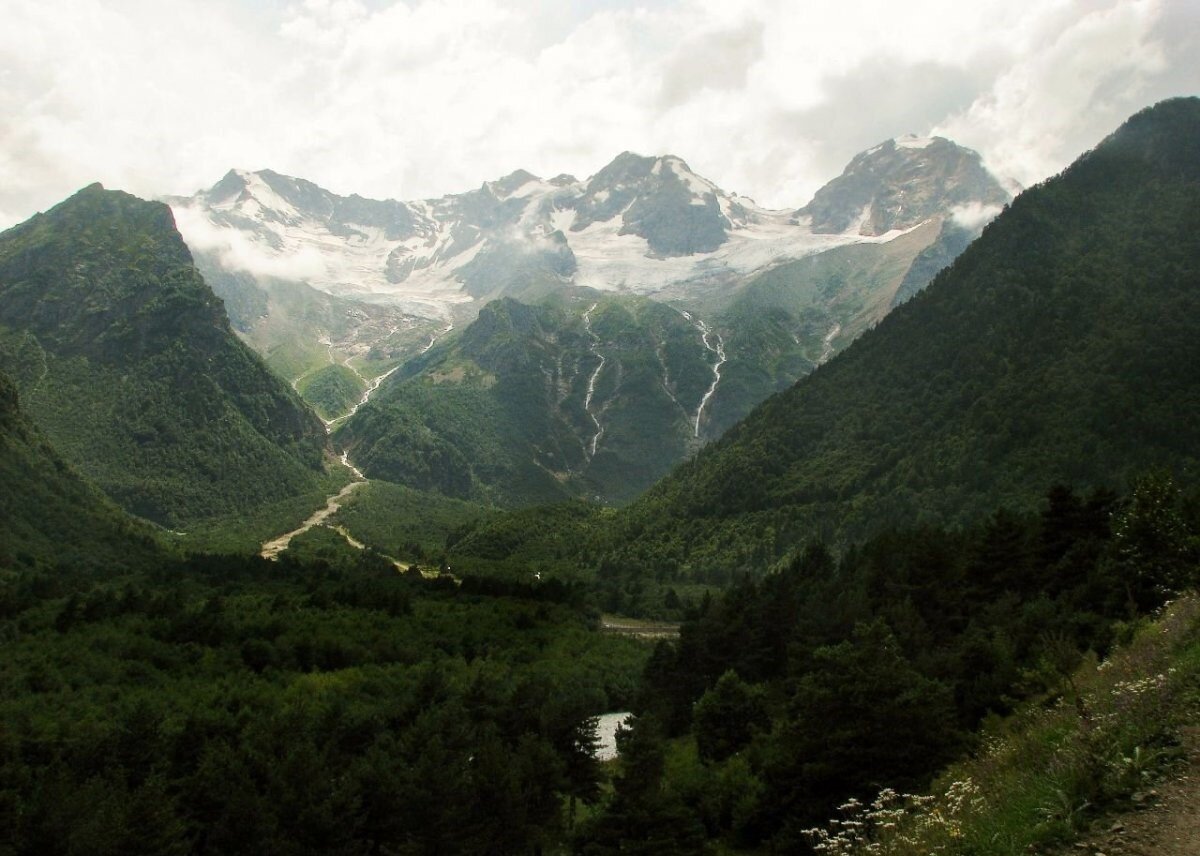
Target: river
273	547
606	733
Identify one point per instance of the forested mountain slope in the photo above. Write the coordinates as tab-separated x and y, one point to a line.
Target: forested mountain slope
1062	346
584	395
47	512
125	360
665	378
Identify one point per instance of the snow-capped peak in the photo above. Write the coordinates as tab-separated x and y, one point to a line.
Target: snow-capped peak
641	223
519	183
912	141
697	185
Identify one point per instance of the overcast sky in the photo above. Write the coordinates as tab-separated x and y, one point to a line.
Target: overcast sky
769	98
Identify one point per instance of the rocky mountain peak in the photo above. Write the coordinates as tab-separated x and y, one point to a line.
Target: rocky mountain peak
74	271
226	191
901	183
511	183
659	199
104	294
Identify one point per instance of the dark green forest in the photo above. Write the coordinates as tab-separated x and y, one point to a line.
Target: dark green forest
48	513
839	676
226	705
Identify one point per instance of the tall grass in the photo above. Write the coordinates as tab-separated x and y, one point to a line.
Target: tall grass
1044	773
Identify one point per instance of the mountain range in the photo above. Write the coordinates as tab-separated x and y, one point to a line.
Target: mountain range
337	291
645	225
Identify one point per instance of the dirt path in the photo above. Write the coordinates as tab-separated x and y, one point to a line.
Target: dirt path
1168	825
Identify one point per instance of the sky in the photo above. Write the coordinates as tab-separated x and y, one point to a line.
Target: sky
416	99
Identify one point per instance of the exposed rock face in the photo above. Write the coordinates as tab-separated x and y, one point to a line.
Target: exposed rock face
659	199
901	183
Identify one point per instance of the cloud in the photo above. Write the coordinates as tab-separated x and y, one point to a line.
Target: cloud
118	92
890	98
974	215
715	60
769	98
1074	85
238	252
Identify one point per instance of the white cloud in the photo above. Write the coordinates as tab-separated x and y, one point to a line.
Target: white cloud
238	252
1076	84
768	98
974	215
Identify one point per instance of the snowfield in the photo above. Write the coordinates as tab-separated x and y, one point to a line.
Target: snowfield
268	225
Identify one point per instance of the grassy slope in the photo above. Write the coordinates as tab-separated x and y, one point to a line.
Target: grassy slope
1051	769
779	326
331	390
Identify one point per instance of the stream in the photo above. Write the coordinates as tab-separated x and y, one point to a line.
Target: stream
372	385
827	343
591	388
719	351
435	336
272	548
